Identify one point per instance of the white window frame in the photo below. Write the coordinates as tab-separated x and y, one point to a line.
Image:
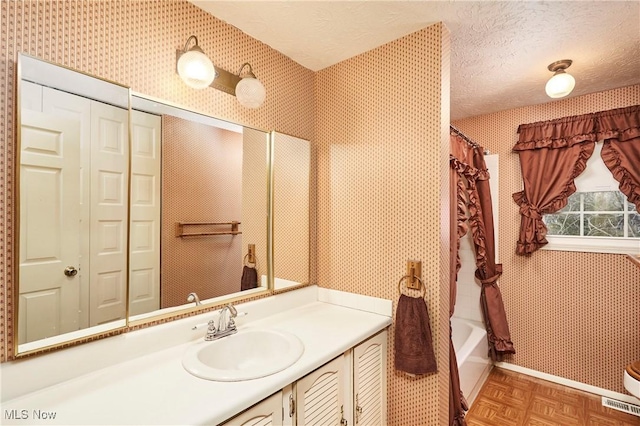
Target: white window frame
596	177
593	244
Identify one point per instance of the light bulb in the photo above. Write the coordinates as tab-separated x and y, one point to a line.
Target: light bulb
250	92
196	69
560	85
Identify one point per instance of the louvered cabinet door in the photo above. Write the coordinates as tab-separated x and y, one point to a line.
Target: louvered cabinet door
268	412
370	381
320	395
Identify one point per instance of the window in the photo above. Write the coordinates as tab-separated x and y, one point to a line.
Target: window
597	218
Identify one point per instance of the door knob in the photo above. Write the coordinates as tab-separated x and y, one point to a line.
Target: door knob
70	271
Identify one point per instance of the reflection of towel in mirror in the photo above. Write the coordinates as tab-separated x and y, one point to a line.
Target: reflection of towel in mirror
249	278
413	342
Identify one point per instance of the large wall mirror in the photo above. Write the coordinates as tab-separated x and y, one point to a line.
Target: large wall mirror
132	207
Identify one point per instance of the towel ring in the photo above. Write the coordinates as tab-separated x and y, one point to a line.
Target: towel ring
424	288
244	261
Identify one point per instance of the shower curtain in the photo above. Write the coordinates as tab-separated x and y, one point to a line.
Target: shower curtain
469	190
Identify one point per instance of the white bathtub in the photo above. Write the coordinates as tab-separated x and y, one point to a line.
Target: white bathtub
470	343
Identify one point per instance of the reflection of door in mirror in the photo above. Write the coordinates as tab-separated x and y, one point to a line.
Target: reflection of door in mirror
291	180
210	201
73	212
144	237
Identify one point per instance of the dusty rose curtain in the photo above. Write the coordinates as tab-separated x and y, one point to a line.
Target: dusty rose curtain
553	153
469	191
488	271
620	130
457	229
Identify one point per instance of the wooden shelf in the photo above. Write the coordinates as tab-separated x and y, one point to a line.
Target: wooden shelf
180	231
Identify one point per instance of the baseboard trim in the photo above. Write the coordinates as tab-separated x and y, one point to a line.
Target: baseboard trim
567	382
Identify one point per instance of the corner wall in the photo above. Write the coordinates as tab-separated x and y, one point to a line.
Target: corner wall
383	161
573	315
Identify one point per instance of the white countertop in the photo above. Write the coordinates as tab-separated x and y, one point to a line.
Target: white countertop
154	389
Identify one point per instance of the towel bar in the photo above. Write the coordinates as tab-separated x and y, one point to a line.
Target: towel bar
180	229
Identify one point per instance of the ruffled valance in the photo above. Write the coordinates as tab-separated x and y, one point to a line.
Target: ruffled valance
622	124
559	133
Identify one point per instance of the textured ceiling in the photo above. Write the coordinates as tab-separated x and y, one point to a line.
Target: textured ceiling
499	49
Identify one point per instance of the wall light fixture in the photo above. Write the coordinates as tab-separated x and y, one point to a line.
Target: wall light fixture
561	83
197	71
249	90
195	68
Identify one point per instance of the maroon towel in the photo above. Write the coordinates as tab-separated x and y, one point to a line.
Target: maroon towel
249	278
413	343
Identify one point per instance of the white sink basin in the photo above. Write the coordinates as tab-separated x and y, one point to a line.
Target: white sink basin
249	354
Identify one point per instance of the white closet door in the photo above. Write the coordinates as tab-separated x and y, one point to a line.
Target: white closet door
109	205
144	240
49	200
320	395
370	381
66	105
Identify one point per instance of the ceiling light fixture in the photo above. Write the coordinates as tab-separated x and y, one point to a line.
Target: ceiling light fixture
249	90
561	83
195	68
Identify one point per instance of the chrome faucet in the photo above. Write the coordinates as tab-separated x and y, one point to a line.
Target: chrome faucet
226	324
192	297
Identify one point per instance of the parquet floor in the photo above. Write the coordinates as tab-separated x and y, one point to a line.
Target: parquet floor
512	399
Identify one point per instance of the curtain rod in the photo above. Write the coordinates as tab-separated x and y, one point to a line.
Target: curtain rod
465	137
468	140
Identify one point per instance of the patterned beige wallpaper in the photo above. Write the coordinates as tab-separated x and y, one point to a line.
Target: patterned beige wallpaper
254	197
291	167
573	315
134	42
201	181
382	145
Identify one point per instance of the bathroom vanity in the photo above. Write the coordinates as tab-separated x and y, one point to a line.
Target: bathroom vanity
327	396
138	378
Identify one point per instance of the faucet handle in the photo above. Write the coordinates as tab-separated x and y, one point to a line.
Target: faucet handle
232	323
211	330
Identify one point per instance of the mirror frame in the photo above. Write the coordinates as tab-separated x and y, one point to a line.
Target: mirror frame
178	312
